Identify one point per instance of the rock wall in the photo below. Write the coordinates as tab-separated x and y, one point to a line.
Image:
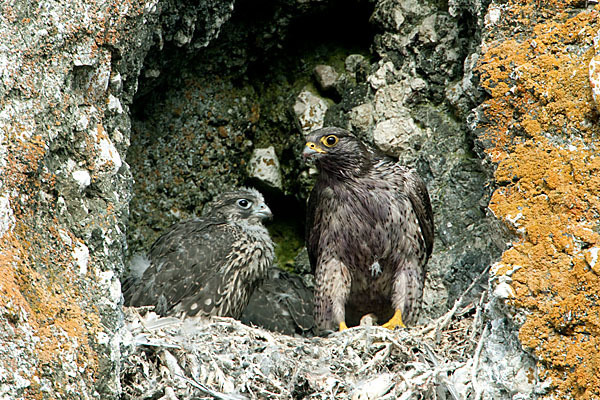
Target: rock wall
68	72
539	64
201	89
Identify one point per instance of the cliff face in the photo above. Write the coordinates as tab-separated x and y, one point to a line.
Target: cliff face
68	71
539	65
65	189
119	118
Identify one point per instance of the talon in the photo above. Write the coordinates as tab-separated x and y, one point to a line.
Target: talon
395	321
343	326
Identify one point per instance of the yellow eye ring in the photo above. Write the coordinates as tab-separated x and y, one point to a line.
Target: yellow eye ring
330	140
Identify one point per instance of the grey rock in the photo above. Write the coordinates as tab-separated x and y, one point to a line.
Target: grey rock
310	111
361	117
190	147
505	370
69	74
353	62
88	100
385	73
398	135
264	166
326	77
390	100
464	94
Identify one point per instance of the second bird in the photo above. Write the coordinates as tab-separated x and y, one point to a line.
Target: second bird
369	233
208	265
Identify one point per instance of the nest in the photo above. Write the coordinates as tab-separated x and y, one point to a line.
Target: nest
221	358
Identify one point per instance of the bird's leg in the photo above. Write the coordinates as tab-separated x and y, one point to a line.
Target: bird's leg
395	321
332	289
407	293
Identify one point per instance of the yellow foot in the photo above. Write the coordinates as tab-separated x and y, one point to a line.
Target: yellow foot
343	326
395	321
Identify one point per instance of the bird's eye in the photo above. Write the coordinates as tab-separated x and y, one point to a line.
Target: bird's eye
243	203
330	140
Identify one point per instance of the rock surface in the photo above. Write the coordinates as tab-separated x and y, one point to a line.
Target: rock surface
64	131
68	74
264	166
120	118
539	127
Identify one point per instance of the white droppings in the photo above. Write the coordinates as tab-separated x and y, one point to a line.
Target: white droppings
7	219
64	236
514	219
108	153
493	16
102	338
593	256
497	266
20	382
82	123
108	279
114	104
82	177
81	254
504	291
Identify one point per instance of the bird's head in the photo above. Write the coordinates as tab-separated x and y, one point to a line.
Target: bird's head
241	204
336	151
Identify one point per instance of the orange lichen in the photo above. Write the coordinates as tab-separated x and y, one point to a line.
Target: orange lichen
542	123
41	285
36	279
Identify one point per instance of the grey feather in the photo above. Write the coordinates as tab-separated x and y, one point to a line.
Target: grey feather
208	265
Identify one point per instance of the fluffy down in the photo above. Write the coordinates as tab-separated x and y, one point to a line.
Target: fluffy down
208	265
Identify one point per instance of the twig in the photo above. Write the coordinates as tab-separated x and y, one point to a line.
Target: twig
377	358
271	395
444	323
477	318
206	390
444	320
281	389
474	382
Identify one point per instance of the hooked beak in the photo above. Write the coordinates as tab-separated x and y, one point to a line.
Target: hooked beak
312	150
264	212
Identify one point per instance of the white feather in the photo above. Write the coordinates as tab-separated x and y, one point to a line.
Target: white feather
139	264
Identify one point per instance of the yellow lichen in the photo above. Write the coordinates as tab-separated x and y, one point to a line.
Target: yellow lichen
542	122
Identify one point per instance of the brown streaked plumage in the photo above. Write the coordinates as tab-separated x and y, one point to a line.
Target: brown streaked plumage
369	233
208	265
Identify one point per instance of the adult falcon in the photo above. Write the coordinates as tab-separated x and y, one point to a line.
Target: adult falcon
208	265
369	233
